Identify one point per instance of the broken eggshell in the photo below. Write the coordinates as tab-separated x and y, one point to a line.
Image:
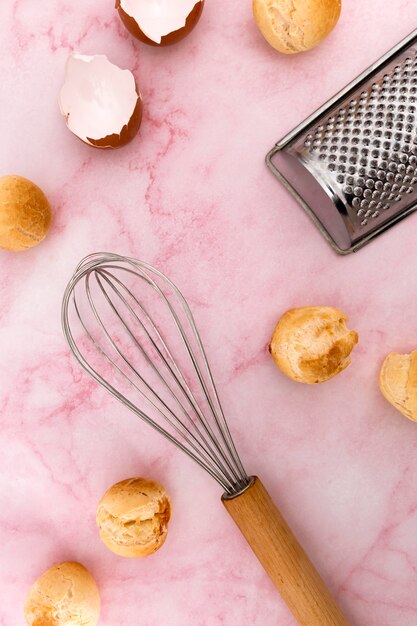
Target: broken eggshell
160	22
100	101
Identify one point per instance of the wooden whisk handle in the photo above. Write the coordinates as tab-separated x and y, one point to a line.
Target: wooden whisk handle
283	558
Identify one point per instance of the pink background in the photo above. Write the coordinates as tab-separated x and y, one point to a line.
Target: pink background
192	195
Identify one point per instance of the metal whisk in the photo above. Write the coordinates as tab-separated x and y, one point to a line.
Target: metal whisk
108	314
197	427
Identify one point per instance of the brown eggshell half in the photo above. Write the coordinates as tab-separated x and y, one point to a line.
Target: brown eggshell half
166	40
100	101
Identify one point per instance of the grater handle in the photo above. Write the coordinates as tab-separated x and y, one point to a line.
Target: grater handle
283	558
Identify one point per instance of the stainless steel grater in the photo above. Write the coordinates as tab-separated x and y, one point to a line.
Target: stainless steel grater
352	165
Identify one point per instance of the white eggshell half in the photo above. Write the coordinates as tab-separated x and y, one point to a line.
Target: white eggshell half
157	18
98	98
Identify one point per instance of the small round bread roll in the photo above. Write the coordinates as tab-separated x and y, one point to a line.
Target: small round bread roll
292	26
312	344
398	382
25	214
133	517
65	595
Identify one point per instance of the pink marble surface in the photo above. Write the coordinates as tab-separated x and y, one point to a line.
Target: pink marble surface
192	195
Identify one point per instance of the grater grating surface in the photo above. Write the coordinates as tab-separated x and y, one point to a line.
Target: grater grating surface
361	148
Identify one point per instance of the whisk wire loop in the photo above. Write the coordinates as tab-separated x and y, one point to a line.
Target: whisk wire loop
209	451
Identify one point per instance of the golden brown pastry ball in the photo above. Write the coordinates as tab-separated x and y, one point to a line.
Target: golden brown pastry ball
133	517
398	382
312	344
65	595
292	26
25	214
